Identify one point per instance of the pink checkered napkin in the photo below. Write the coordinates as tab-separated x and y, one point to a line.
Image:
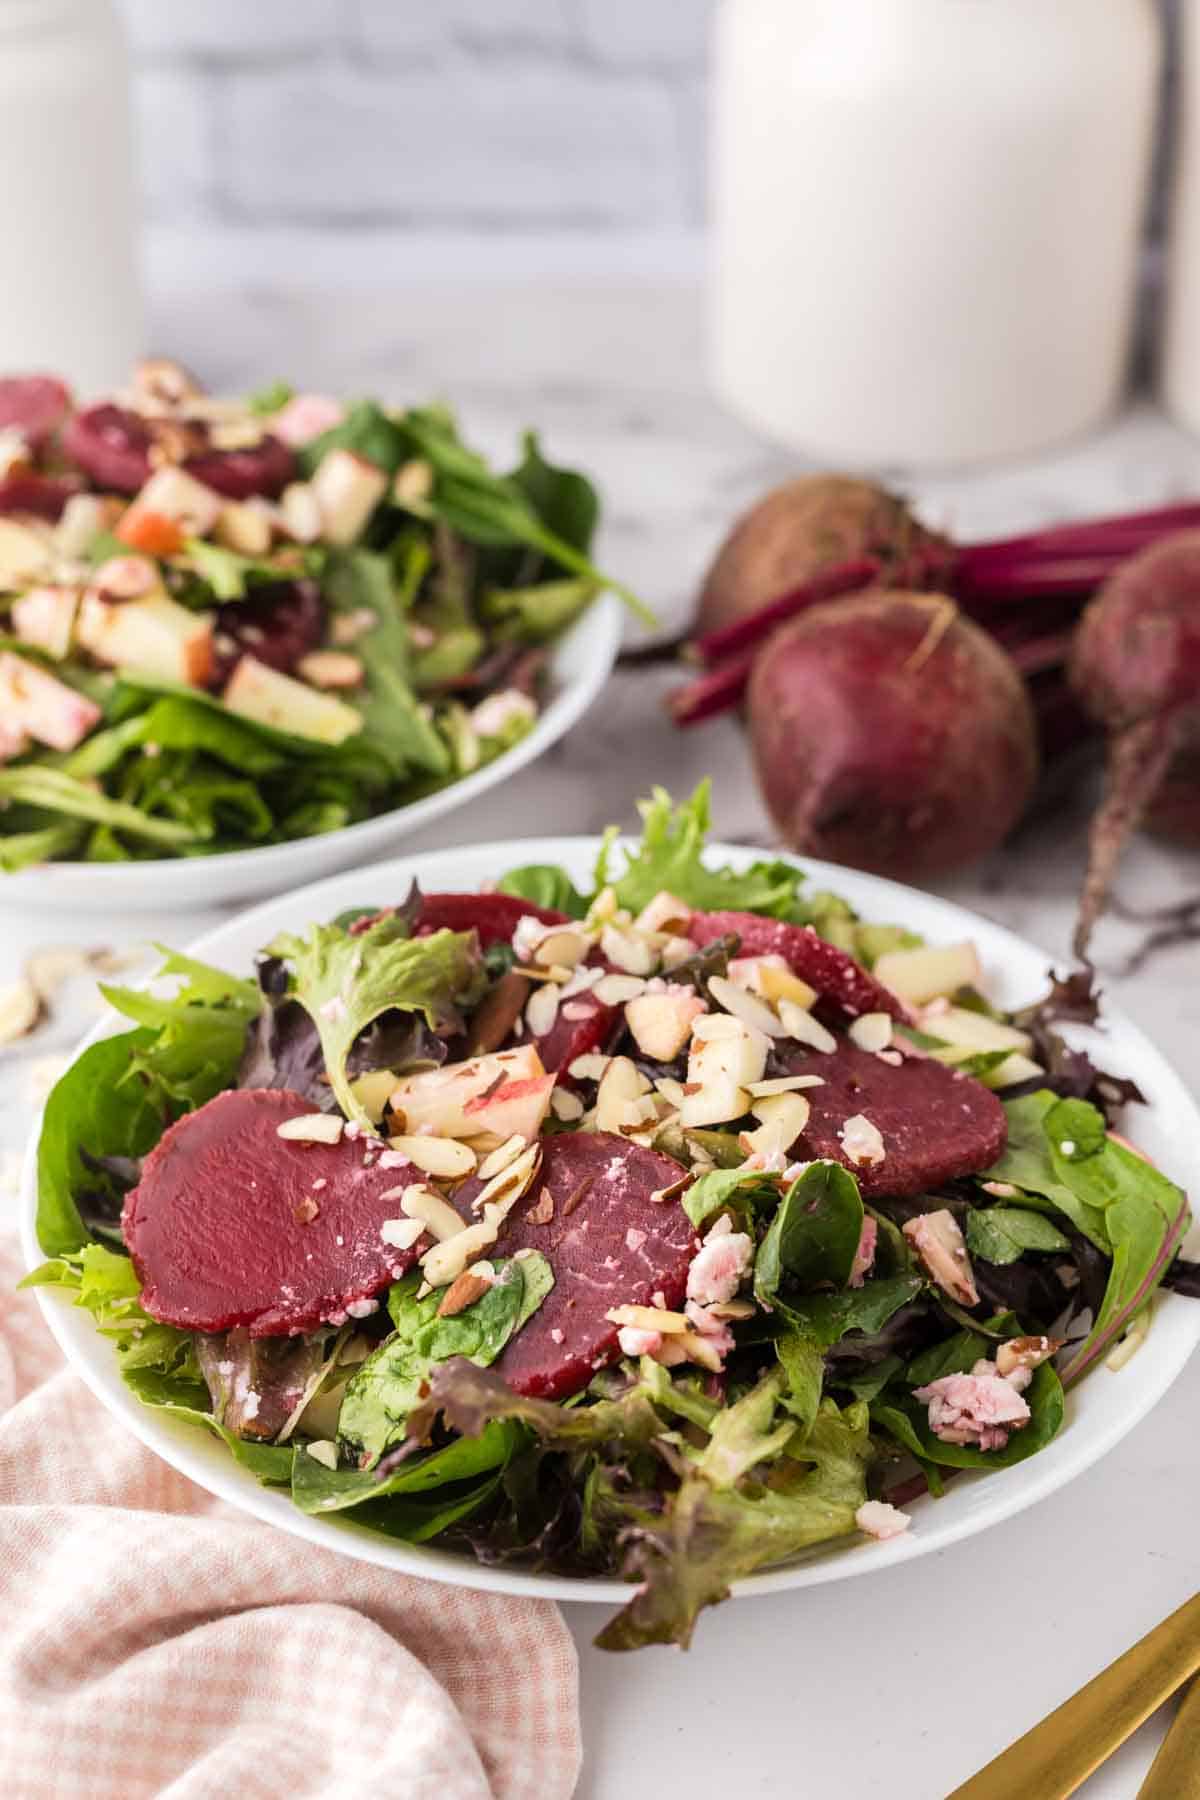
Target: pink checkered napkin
155	1642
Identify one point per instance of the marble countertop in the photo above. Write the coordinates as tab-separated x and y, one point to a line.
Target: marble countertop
895	1686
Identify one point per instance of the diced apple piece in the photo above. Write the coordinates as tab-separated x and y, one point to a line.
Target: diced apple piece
256	692
245	528
661	1024
171	493
438	1098
45	617
299	514
33	701
919	976
347	489
517	1108
25	555
155	636
13	741
726	1056
83	519
1013	1069
777	982
971	1031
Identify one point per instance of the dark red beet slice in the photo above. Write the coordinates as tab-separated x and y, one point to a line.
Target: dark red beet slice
42	495
836	976
34	405
278	624
238	474
568	1038
493	916
608	1244
218	1225
936	1125
112	445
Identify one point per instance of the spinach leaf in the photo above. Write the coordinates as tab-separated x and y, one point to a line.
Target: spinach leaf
563	499
829	1317
345	982
388	1386
1059	1150
269	1463
317	1489
545	885
395	724
1002	1234
34	784
534	615
367	431
814	1235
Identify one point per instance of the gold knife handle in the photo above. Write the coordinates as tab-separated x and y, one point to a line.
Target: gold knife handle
1058	1755
1175	1771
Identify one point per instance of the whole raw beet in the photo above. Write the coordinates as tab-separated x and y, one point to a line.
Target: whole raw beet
1135	666
892	734
808	525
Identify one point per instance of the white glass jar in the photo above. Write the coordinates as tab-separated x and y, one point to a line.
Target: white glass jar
69	296
927	218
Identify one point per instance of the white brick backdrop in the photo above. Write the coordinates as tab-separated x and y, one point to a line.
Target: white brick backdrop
282	134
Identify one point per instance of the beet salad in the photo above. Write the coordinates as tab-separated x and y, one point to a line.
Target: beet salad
666	1229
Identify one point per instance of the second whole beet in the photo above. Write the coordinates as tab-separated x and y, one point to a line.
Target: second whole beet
892	734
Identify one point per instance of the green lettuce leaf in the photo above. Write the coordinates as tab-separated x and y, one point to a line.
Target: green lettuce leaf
317	1489
544	885
828	1318
669	856
388	1387
104	1284
345	982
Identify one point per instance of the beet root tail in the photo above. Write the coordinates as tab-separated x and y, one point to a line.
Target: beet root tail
1139	757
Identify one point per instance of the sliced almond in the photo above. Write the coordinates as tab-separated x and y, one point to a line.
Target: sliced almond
589	1068
20	1010
401	1234
783	1117
565	1105
502	1155
700	1350
463	1291
615	990
648	1318
312	1128
444	1158
776	984
801	1025
871	1031
566	948
617	1101
447	1260
331	669
746	1006
503	1191
782	1084
435	1214
628	950
542	1010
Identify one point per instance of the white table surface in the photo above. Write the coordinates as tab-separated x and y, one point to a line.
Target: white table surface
902	1684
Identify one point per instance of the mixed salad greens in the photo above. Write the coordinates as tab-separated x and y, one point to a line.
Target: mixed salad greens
226	623
667	1229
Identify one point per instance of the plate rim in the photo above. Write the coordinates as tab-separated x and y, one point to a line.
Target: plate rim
184	1448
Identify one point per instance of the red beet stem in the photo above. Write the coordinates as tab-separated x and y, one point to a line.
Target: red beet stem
1151	523
1034	578
844	578
1137	761
717	692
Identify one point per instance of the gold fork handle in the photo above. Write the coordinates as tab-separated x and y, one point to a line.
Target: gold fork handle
1058	1755
1175	1771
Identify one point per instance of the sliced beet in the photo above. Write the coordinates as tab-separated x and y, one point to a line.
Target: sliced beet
221	1228
936	1125
836	976
568	1038
494	916
112	445
278	624
608	1244
42	495
34	405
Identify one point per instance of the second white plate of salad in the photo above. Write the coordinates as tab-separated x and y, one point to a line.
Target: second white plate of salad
674	1221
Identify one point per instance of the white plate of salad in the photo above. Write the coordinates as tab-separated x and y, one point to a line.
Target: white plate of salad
245	641
647	1223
